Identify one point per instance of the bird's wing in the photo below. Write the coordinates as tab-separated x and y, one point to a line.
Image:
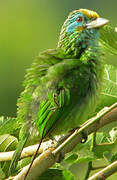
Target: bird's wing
40	66
53	96
32	80
17	154
51	108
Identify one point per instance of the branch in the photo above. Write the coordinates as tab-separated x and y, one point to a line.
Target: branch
106	172
49	157
27	151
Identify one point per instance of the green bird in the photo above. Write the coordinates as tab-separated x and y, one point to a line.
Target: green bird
62	85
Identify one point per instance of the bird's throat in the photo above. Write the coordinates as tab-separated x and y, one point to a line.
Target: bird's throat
75	44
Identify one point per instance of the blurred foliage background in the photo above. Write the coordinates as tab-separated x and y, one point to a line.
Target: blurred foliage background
28	27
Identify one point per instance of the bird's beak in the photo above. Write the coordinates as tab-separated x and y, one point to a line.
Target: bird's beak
97	23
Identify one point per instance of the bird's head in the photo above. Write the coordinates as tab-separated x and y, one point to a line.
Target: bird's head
80	30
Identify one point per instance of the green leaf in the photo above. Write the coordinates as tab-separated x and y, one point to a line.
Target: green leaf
108	37
23	162
107	156
8	126
99	150
2	174
1	120
72	158
114	157
68	175
17	154
113	134
110	83
5	167
109	88
81	153
108	43
55	174
7	142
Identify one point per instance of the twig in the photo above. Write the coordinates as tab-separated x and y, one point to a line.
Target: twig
88	170
93	144
98	167
106	172
27	151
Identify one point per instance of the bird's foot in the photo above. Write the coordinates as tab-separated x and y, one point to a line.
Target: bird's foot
61	139
56	142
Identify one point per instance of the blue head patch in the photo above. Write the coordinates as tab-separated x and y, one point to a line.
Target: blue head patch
76	22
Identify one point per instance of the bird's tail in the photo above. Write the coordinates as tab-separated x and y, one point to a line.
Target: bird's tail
17	153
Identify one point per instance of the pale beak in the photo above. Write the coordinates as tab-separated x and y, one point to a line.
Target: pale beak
97	23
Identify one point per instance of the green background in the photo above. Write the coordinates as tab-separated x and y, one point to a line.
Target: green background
28	27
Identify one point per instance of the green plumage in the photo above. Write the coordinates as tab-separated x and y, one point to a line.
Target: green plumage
62	85
64	78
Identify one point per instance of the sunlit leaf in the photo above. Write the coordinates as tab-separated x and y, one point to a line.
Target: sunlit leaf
108	43
7	142
109	88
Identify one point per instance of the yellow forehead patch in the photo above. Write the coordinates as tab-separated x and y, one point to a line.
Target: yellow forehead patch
87	12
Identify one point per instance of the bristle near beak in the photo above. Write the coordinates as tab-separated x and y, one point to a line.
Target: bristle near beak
99	22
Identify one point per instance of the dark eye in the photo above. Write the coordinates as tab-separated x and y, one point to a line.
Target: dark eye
79	19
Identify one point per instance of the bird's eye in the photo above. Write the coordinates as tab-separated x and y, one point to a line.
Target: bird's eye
79	19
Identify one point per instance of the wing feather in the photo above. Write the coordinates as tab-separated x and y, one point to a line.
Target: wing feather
47	115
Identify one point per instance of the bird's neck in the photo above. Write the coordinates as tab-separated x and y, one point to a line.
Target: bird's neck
75	44
84	47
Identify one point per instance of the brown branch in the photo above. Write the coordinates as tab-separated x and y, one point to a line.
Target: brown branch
27	151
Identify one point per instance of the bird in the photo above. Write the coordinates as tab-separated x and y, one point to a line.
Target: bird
62	85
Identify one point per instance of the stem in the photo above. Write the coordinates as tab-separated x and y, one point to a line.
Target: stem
88	170
93	144
27	151
106	172
98	167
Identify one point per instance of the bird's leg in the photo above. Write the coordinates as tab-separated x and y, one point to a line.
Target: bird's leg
54	140
59	139
62	138
56	143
